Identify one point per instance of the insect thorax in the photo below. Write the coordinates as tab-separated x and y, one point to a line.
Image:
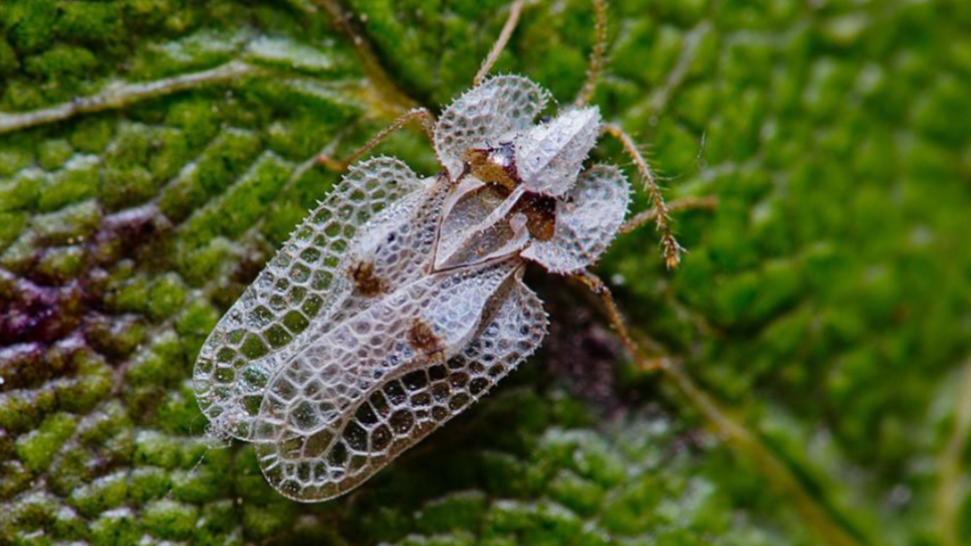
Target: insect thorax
494	165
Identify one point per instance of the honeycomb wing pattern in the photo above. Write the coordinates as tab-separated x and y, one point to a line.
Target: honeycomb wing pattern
396	245
408	406
587	220
486	114
315	388
297	286
431	319
393	250
550	155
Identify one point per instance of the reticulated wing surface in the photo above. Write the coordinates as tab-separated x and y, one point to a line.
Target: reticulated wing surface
432	318
298	285
549	155
587	220
393	250
496	109
406	404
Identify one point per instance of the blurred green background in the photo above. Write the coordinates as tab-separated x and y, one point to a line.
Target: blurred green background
822	312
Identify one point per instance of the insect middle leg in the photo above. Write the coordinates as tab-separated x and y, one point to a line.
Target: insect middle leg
688	203
662	214
425	117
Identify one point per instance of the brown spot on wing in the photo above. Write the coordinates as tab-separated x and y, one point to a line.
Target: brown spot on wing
365	281
423	339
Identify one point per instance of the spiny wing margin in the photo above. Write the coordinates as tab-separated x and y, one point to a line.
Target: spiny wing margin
408	407
484	114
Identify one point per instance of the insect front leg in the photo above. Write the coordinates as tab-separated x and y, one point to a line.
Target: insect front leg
596	56
425	117
662	215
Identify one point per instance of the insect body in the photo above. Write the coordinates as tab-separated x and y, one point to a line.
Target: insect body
399	301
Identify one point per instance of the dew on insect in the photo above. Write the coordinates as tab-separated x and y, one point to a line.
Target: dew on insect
399	301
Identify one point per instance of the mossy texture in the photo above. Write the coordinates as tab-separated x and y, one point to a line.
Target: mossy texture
823	305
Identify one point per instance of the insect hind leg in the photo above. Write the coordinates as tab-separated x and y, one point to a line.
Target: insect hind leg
425	117
599	289
507	29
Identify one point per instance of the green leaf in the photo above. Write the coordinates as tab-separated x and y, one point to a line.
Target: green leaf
154	154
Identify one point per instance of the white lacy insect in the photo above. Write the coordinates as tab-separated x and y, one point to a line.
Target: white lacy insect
399	301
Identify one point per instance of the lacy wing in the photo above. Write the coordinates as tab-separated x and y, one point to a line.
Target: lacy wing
407	404
297	286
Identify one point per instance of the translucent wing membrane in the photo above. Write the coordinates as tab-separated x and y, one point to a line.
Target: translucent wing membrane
300	283
486	115
477	226
393	249
587	220
406	404
549	156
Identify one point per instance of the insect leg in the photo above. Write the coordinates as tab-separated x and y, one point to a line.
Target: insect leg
422	114
688	203
497	47
662	216
597	56
597	286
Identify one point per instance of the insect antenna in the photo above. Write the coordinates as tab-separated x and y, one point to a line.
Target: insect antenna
597	56
507	29
670	247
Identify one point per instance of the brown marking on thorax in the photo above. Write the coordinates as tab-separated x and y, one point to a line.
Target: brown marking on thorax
365	281
496	166
540	211
422	338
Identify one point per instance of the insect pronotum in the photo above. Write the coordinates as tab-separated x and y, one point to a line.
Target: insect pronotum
399	301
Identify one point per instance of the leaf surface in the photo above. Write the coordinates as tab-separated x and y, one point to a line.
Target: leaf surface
154	154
